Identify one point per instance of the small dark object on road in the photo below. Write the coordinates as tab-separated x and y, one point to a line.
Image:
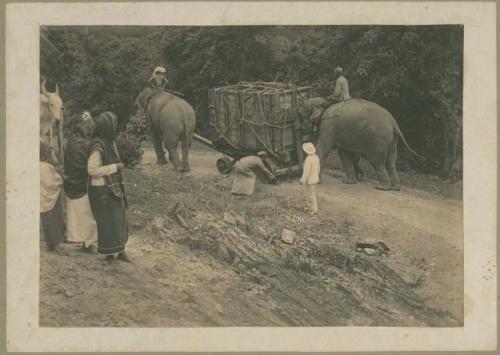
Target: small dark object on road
373	244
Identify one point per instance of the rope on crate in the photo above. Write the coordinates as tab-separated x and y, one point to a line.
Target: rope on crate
259	89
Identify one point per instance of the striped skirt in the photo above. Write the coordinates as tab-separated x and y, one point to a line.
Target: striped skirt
110	214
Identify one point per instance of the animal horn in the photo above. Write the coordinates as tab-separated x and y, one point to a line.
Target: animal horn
44	90
57	90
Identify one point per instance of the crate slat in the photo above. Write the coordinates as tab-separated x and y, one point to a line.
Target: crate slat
256	116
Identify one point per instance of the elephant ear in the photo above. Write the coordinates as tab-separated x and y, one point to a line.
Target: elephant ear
315	114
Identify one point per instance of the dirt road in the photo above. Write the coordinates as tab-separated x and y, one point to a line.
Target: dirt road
426	228
229	267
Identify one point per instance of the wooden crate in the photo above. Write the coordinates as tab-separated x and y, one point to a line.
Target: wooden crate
251	117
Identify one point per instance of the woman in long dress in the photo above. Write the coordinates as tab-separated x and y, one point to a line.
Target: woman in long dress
106	190
82	227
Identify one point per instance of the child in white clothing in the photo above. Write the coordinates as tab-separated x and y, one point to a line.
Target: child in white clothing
310	174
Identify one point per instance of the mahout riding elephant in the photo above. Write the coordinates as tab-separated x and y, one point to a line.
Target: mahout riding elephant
358	128
51	122
170	119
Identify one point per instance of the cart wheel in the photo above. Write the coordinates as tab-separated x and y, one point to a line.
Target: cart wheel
224	165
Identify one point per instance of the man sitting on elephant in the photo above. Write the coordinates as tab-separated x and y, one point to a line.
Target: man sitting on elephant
341	92
170	119
158	79
156	84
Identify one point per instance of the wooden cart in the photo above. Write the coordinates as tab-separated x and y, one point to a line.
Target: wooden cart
253	117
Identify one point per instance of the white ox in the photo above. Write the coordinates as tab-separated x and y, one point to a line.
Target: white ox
51	122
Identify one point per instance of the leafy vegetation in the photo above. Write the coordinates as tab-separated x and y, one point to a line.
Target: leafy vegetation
413	71
129	140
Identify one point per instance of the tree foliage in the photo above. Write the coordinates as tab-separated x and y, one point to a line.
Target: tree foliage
413	71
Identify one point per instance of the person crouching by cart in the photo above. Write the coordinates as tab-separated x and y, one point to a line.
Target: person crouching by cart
51	213
106	190
244	173
310	174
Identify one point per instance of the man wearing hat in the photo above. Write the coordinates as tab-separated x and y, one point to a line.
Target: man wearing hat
159	78
341	92
310	173
156	84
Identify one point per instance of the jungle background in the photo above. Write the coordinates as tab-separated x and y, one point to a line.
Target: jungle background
413	71
204	257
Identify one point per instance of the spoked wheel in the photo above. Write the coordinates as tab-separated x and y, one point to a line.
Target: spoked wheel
224	165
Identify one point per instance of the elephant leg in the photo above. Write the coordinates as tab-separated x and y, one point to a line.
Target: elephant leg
174	157
171	141
359	172
384	181
186	144
391	167
324	147
156	138
378	157
347	159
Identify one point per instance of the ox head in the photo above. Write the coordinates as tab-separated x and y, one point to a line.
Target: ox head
53	102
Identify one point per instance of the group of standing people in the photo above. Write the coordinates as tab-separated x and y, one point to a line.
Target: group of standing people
85	202
92	182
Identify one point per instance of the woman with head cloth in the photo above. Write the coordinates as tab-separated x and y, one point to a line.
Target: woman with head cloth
106	190
82	227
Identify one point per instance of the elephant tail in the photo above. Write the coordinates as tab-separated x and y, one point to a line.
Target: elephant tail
403	139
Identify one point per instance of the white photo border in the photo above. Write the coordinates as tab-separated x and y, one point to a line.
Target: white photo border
480	176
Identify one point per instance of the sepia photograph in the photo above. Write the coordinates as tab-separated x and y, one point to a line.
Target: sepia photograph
253	176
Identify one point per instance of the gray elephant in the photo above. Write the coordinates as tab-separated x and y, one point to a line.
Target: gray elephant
170	119
358	128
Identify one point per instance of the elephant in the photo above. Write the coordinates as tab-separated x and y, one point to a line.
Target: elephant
51	122
358	128
169	119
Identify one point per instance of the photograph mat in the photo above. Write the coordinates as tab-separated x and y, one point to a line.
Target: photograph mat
480	149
